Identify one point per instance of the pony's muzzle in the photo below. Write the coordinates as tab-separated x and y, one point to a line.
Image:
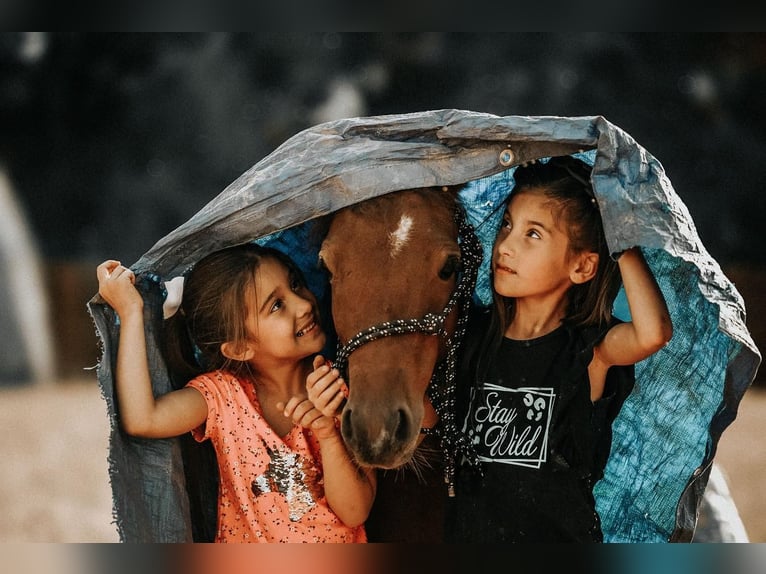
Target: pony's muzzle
384	440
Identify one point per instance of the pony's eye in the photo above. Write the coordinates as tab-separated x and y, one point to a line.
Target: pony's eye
451	267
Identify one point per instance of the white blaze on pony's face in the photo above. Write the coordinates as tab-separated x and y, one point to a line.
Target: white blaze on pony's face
398	237
391	258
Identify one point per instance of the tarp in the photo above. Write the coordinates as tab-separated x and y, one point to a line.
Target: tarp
685	396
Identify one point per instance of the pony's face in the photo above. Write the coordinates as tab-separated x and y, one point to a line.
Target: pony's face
390	258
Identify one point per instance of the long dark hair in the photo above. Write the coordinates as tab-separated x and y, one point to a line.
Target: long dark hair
566	181
213	310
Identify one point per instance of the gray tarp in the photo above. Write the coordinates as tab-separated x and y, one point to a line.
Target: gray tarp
685	396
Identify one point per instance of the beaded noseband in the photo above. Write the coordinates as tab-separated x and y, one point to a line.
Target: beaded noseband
442	386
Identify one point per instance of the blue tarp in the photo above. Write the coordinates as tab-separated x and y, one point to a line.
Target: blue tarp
685	396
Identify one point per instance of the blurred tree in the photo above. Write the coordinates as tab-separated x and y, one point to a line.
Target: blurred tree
114	139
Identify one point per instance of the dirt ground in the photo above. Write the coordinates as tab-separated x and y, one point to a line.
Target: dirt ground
742	457
54	484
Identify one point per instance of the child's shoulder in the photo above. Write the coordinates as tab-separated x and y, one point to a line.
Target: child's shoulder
216	377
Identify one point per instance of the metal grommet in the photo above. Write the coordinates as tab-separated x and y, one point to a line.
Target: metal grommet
506	157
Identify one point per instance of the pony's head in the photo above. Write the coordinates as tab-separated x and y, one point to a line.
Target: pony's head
393	263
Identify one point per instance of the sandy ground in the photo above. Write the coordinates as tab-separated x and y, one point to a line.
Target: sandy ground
742	457
54	484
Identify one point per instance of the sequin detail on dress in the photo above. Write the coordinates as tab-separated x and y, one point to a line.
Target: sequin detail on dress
295	478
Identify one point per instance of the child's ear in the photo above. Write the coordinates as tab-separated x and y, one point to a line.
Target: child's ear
235	352
585	268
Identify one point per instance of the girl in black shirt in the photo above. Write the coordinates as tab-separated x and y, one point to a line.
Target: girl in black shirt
548	367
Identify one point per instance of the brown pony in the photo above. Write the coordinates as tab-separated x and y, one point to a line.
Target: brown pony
399	288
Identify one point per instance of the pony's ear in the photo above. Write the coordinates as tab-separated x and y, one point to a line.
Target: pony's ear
235	352
584	268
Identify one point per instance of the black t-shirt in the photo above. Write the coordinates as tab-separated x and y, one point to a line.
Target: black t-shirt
541	443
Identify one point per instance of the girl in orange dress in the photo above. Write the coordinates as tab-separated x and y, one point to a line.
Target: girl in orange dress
249	329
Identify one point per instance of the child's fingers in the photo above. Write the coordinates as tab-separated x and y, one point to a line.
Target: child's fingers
324	427
319	360
124	274
331	402
114	271
298	408
289	408
104	270
332	388
311	417
323	378
317	376
335	404
306	416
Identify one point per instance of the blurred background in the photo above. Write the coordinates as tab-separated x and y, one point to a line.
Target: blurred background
110	141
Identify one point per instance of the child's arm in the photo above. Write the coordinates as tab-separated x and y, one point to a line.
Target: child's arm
140	414
648	331
350	490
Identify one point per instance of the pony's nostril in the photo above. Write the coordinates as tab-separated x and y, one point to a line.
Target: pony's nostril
403	426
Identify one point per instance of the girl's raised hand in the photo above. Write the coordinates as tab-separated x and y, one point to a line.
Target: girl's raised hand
326	388
326	393
303	412
116	284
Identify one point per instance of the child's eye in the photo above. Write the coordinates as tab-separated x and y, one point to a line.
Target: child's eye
533	233
296	284
278	304
507	224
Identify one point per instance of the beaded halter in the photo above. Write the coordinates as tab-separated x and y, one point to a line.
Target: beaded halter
442	386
